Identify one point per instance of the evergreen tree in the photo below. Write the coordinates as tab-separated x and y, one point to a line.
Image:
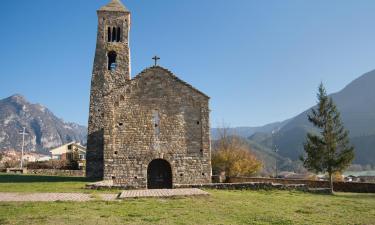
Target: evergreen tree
328	151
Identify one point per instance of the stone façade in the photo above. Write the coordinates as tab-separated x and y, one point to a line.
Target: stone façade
133	122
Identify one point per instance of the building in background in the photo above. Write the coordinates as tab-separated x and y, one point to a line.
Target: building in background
72	152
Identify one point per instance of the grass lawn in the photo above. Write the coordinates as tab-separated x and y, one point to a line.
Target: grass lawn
222	207
36	183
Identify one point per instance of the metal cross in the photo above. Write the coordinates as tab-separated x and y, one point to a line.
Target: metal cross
156	58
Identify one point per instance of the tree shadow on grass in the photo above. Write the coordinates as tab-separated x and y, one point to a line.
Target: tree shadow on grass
15	178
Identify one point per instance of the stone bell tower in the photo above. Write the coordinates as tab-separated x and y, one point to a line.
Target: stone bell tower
111	70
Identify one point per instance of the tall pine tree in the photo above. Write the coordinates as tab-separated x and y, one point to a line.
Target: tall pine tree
328	151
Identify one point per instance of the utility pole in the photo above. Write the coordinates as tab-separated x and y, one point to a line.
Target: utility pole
276	150
23	144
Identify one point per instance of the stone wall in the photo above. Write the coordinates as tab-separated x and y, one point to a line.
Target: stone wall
157	116
337	186
53	172
248	186
104	81
105	185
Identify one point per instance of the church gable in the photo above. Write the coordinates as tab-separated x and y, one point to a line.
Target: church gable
168	114
159	77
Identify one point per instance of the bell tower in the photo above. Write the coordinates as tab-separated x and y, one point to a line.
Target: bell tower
111	70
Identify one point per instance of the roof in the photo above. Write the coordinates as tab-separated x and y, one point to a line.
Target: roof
114	6
170	74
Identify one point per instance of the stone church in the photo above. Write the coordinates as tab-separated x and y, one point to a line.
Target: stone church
149	131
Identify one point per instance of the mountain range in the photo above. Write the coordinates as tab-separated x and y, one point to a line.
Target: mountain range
44	130
356	102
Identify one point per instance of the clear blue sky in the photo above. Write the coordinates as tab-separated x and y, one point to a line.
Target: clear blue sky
260	61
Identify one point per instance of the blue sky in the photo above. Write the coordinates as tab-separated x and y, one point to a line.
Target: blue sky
260	61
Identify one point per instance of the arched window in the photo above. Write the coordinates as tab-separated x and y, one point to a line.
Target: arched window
109	34
118	34
114	36
112	60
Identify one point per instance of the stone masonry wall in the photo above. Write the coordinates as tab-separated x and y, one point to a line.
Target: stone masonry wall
104	81
337	186
157	116
55	172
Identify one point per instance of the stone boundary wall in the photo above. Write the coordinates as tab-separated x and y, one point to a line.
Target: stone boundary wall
246	186
104	185
337	186
54	172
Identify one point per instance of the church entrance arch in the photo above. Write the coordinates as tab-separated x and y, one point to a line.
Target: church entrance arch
159	174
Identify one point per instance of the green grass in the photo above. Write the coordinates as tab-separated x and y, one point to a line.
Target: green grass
221	207
37	183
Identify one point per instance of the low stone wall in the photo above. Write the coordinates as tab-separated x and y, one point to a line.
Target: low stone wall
246	186
337	186
53	172
250	183
220	186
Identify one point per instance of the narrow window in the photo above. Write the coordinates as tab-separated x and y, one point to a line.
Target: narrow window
114	34
118	34
109	34
112	60
156	122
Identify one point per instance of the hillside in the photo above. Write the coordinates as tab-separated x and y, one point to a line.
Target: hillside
248	131
44	129
356	103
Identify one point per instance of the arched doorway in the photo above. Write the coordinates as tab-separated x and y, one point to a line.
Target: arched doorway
159	174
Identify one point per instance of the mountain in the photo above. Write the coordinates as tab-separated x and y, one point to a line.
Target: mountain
356	102
44	129
248	131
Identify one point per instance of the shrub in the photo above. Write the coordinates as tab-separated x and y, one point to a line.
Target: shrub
231	155
236	162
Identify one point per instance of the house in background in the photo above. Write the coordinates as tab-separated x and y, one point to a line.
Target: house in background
72	152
